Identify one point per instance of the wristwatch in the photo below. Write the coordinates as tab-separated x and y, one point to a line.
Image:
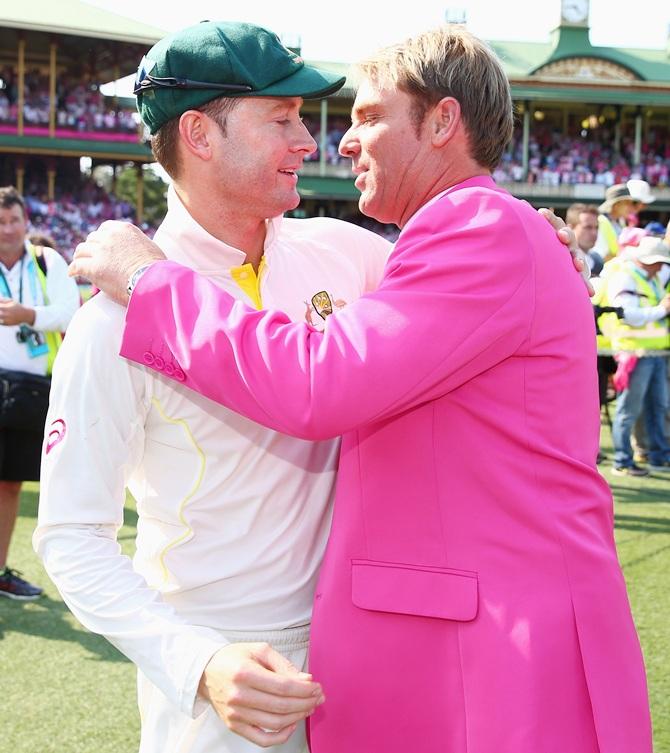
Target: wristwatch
134	277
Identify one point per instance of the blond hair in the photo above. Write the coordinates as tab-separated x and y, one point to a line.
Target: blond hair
451	62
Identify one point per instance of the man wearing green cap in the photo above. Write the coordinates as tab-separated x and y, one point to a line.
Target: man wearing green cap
233	517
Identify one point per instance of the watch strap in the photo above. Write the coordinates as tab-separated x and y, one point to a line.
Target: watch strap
134	278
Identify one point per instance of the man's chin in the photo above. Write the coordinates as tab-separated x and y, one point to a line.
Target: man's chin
292	202
368	208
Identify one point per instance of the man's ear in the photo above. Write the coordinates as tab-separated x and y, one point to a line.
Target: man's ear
444	121
195	134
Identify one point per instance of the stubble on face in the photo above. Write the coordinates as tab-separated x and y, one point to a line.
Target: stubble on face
263	148
388	156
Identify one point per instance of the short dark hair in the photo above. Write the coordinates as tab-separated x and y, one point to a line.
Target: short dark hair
164	142
42	239
574	210
10	197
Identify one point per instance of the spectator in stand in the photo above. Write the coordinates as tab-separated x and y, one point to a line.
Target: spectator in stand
556	158
75	213
80	105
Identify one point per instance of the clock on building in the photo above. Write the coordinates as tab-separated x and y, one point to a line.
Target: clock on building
574	11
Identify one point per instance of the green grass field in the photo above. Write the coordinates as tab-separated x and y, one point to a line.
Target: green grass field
68	691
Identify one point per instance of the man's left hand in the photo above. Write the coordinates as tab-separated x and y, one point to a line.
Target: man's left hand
566	236
12	313
110	255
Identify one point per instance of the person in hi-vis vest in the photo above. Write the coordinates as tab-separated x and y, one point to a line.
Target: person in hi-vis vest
641	344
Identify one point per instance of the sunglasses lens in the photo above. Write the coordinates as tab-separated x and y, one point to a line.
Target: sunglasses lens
142	75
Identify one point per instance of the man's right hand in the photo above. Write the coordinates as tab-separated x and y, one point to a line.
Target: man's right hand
258	693
111	254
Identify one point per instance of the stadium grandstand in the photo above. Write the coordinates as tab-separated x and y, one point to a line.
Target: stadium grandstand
587	117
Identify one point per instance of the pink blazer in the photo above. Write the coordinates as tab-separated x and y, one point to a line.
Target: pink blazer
470	600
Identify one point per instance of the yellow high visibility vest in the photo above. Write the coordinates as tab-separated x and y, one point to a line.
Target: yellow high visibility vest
607	229
606	322
650	337
53	339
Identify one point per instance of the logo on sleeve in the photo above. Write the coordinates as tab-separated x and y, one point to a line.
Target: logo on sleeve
56	434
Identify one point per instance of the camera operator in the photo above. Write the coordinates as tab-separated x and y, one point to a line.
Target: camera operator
37	301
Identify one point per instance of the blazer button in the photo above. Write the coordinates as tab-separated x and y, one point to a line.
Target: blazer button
159	363
179	375
169	369
148	358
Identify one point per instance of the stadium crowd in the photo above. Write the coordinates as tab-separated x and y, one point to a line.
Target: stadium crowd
74	213
337	127
556	159
80	106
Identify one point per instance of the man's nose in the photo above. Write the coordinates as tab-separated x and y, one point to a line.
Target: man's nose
349	145
305	141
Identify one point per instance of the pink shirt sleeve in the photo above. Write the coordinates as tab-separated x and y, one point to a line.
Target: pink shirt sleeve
455	299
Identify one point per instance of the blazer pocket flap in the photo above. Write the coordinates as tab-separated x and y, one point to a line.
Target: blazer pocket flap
423	591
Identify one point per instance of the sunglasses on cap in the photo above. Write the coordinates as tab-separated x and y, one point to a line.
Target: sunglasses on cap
172	82
144	81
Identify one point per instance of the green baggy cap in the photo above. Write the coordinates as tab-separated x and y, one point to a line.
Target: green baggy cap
218	58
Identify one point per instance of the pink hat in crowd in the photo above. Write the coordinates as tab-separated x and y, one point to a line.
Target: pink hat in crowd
631	236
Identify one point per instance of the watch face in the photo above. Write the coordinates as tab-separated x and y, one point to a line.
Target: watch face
575	11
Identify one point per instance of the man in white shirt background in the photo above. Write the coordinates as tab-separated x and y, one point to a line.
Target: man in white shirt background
32	303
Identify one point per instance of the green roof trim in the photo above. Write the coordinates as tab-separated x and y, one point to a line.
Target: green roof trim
522	59
73	147
619	95
315	187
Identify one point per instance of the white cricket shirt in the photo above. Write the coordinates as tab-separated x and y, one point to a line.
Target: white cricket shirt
232	517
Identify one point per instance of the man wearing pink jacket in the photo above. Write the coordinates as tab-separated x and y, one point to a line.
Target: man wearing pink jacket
470	600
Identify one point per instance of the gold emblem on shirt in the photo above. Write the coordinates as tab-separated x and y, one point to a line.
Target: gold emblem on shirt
324	306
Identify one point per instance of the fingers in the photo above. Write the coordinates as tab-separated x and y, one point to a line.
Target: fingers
82	267
249	696
556	222
284	686
264	719
258	693
565	234
82	253
262	737
273	660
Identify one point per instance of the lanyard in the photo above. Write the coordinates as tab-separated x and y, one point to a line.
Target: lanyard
6	284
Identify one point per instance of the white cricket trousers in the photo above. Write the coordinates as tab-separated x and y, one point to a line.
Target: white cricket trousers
165	729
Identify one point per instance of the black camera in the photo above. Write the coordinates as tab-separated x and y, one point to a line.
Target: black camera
28	335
